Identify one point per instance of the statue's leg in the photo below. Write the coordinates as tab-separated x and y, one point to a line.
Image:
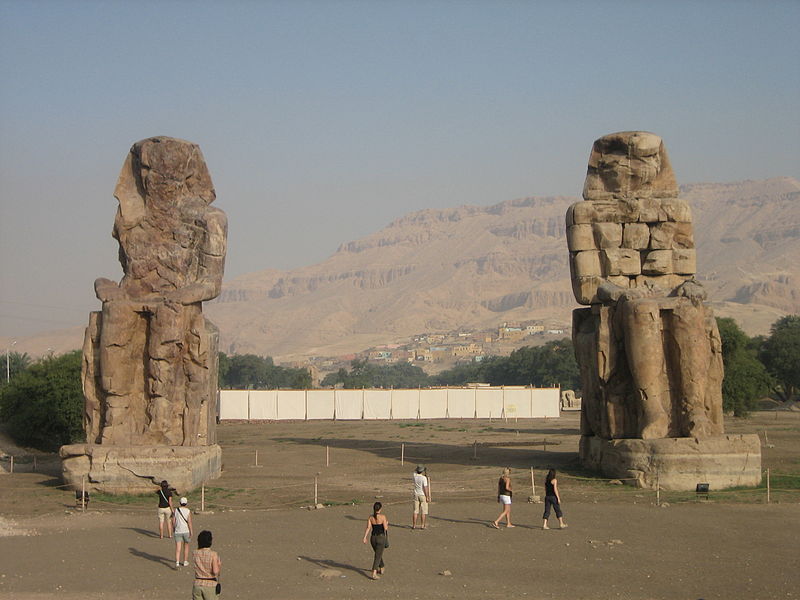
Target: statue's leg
694	356
164	373
195	366
645	353
118	340
90	380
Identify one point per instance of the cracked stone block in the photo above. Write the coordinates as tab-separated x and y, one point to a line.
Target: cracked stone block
657	262
661	235
587	264
636	235
621	261
607	235
676	209
684	261
580	237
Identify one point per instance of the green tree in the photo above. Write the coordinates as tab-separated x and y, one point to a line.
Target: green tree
780	353
251	372
746	380
364	374
473	372
540	366
43	405
14	363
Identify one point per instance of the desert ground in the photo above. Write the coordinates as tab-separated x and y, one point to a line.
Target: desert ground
621	542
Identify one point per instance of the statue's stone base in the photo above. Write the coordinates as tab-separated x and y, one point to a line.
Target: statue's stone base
137	469
677	463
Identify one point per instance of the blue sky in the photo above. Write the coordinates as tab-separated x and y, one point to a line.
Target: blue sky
322	121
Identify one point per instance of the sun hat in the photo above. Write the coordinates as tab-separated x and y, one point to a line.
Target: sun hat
420	468
184	501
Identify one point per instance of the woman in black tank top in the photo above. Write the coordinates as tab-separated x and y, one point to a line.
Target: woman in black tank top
377	530
552	498
504	497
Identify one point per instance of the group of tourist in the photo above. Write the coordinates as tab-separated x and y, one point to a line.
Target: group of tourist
377	530
207	564
178	522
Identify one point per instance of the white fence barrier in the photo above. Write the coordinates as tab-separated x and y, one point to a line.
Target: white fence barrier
435	403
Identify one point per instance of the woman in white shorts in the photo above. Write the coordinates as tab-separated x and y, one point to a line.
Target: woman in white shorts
504	497
165	508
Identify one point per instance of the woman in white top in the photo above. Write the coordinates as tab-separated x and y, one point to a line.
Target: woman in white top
182	522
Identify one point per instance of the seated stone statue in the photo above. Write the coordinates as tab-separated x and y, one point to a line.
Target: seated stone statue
648	348
150	356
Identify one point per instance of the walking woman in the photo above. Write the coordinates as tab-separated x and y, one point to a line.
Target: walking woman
504	497
164	509
552	498
378	527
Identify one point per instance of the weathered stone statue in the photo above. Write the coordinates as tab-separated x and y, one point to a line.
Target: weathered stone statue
150	357
648	347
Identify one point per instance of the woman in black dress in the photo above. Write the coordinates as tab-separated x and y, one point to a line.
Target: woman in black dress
378	527
552	498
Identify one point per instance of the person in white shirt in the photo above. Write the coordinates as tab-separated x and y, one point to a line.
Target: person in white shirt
422	495
182	521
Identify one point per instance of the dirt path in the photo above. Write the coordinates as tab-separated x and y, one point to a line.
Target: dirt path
619	543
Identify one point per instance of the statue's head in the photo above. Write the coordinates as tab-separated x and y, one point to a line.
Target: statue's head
629	164
159	173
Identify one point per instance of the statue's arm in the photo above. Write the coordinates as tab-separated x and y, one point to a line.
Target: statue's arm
211	260
107	289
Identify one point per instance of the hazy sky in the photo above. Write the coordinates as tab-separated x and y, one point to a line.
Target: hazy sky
322	121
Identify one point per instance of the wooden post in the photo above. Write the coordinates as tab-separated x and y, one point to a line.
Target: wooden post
658	490
533	485
34	463
768	486
327	456
315	491
766	438
475	450
545	444
83	493
11	469
203	498
402	454
256	457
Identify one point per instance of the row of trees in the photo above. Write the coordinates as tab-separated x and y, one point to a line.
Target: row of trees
42	404
251	372
759	366
541	366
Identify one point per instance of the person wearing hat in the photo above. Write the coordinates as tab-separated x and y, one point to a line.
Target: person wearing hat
182	522
422	495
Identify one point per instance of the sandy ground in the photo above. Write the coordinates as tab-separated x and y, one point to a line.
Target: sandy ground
619	543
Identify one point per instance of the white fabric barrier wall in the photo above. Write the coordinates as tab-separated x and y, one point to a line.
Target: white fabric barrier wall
319	404
405	404
233	404
378	404
453	403
433	404
461	404
291	404
517	403
488	403
263	405
349	404
546	402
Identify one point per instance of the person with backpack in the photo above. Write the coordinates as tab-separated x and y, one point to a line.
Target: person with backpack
182	520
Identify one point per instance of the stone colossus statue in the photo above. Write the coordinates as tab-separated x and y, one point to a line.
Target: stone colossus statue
150	356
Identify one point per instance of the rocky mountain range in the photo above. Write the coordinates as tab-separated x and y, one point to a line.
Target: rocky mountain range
475	267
